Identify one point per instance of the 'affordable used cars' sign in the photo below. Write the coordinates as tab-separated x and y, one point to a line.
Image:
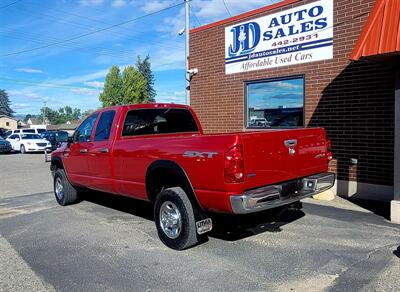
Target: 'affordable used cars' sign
299	35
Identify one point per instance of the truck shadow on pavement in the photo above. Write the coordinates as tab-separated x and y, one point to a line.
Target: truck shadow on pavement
120	203
237	227
397	252
225	227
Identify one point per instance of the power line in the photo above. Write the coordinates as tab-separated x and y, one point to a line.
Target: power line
46	84
84	17
226	7
90	33
8	5
195	16
114	52
77	24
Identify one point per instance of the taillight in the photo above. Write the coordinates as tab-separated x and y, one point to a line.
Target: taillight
234	165
328	145
329	155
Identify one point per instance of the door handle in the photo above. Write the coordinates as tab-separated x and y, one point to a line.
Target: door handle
290	143
83	151
104	150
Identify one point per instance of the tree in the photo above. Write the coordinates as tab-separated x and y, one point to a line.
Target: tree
5	104
27	117
134	87
144	67
60	116
76	114
113	87
52	116
87	113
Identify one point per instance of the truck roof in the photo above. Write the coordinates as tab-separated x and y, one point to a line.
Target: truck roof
146	106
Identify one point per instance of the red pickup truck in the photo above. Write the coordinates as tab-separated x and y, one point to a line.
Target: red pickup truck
158	153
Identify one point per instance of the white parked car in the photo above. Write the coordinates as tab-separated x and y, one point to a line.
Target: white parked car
259	122
28	143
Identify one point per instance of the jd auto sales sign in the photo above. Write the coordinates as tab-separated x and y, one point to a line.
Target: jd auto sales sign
299	35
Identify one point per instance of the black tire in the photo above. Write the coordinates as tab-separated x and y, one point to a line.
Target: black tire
188	236
22	149
69	194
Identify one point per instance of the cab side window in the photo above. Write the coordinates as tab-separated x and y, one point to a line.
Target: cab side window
84	131
13	136
159	121
104	125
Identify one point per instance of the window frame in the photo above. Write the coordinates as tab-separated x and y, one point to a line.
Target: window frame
98	122
96	116
121	131
274	79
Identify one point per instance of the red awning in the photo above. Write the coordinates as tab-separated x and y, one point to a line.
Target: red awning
381	33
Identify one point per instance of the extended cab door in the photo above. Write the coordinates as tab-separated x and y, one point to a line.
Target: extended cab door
100	153
75	157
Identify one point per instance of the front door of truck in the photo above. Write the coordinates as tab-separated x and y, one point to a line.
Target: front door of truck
100	156
75	157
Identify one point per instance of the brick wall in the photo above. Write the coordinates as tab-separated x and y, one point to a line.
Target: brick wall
354	101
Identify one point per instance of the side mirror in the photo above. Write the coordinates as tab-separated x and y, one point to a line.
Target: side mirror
62	138
16	139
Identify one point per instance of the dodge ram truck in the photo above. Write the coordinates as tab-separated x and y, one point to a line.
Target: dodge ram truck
159	153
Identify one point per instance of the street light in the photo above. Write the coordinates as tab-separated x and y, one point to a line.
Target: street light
181	32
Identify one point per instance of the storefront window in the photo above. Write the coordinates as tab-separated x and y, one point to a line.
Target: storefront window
275	103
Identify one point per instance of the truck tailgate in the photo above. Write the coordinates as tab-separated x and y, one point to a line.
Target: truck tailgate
281	155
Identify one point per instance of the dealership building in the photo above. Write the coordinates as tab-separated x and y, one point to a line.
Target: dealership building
327	63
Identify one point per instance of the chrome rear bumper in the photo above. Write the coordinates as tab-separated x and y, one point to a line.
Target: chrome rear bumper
273	196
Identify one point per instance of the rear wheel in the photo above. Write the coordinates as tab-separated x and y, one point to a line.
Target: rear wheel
175	220
22	149
65	193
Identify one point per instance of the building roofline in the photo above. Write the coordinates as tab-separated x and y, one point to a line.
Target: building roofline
244	15
8	117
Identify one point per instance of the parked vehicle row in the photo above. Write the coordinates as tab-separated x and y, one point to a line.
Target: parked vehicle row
28	140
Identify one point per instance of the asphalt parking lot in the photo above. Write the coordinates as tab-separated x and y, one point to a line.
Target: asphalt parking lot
110	243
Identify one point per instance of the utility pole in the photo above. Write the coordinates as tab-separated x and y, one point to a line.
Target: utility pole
187	28
44	113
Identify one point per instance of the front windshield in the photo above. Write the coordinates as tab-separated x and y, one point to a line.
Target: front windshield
30	136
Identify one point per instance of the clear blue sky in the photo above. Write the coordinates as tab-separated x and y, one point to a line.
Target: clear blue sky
73	73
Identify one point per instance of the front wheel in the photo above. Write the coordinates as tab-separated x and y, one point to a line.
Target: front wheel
65	193
175	220
22	149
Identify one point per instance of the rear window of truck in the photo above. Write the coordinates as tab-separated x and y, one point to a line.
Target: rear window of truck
158	121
